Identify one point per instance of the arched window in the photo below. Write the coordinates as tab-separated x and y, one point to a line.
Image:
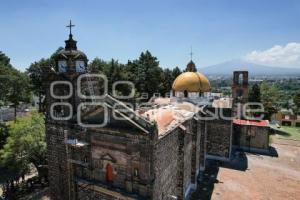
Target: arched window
241	79
185	93
136	172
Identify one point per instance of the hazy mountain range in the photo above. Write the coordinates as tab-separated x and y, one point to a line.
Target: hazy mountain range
226	68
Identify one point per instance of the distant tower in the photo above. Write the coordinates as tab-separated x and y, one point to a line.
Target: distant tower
240	91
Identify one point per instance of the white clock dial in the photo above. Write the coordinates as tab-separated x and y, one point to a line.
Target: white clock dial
80	66
62	66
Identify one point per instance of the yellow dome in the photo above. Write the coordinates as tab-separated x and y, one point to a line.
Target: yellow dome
191	82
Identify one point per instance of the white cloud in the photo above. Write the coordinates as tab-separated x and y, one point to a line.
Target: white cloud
282	56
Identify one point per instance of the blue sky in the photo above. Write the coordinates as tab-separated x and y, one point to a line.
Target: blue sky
218	30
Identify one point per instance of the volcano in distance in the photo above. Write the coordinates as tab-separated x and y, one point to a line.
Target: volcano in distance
226	68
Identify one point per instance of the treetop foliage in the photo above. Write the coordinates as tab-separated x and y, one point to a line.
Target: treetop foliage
14	85
4	60
25	145
255	94
297	101
144	72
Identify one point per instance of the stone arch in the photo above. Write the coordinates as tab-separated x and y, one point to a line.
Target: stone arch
108	157
240	79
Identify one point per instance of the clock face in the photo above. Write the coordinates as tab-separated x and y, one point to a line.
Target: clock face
80	66
62	66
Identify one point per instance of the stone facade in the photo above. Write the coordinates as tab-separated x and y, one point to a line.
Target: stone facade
240	92
240	86
144	165
57	162
251	138
177	161
219	134
166	162
127	158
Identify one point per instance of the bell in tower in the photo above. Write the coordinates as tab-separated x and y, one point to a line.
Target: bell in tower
70	60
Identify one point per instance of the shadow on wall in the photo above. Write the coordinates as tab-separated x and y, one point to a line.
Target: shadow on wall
239	161
273	152
206	181
279	132
208	178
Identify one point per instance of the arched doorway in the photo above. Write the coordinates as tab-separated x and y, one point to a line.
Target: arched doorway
109	173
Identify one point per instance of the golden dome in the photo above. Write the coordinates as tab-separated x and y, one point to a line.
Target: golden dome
191	82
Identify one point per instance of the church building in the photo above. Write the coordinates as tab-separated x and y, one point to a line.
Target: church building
155	152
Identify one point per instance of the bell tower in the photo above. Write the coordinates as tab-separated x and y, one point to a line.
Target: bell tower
62	100
240	92
70	60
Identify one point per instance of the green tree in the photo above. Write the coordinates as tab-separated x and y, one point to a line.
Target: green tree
114	71
297	101
117	72
254	94
254	97
269	97
176	72
14	86
145	73
3	134
167	81
98	66
25	145
5	83
4	60
36	72
19	90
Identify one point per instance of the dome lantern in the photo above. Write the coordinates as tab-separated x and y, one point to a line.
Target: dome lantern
191	67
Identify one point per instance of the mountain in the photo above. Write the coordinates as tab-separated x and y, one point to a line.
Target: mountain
227	68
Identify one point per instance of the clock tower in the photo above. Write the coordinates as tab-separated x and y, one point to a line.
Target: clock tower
62	100
70	61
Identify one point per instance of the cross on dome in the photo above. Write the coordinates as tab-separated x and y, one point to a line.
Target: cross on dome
70	26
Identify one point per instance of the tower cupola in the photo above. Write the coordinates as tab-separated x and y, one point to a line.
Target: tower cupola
70	60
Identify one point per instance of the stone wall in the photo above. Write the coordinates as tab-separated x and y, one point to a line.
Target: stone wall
57	162
188	156
196	133
166	166
251	137
175	161
219	134
129	154
202	144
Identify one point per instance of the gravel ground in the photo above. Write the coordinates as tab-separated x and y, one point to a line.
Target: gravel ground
273	178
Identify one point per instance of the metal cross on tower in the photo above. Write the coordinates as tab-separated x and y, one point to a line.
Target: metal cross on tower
70	27
191	53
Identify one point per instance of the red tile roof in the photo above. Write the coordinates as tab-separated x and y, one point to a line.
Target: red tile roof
251	122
